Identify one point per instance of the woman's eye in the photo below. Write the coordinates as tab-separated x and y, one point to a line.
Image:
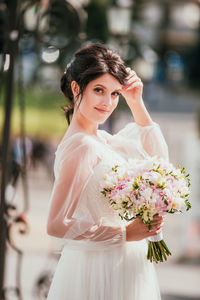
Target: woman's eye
116	94
98	90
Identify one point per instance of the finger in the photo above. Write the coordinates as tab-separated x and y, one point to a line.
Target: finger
149	230
130	77
157	223
157	220
154	232
128	69
131	73
136	84
157	217
133	79
157	227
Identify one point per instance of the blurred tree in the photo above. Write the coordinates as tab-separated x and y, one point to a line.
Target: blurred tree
97	25
193	65
3	25
198	119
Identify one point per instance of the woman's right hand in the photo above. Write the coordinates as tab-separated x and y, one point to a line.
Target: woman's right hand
137	230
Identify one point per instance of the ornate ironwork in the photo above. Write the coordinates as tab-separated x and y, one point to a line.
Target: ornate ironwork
12	170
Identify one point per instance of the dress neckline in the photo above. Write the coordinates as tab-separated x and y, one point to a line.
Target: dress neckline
97	136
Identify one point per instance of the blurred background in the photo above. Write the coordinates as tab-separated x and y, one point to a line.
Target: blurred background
160	40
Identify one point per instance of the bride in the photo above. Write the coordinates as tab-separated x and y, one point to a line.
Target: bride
104	257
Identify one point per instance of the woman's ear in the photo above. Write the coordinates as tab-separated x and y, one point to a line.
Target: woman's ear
75	88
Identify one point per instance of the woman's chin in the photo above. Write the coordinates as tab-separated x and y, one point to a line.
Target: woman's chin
102	120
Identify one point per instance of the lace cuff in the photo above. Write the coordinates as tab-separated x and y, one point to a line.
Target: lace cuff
123	228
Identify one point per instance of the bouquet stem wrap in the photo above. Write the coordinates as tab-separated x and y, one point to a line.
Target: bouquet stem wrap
156	238
157	249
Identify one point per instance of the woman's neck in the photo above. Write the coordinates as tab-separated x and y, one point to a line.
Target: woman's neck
80	123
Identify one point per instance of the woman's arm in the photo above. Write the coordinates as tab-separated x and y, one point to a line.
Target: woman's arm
70	214
132	93
141	115
144	128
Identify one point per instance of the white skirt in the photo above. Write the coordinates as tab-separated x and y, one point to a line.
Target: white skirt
120	273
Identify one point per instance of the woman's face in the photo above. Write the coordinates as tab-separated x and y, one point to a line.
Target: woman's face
100	98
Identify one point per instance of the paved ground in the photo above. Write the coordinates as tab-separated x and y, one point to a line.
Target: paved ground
170	297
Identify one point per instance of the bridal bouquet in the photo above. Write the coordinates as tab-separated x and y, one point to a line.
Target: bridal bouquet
145	188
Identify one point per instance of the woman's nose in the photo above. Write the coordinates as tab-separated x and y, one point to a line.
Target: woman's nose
107	100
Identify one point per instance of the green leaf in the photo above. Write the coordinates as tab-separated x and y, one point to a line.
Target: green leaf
114	169
151	183
166	202
135	185
188	204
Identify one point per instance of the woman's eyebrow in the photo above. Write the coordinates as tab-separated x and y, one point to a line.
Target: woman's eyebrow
98	84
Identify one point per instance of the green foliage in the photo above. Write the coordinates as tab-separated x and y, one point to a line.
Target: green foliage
37	98
43	115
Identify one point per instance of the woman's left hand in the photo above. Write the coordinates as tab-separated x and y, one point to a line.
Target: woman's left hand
132	92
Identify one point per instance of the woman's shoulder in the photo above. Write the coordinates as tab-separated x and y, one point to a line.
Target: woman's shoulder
76	141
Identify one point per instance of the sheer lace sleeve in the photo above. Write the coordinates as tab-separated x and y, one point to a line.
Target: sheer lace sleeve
141	141
69	214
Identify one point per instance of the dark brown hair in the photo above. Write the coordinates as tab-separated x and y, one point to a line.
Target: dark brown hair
89	63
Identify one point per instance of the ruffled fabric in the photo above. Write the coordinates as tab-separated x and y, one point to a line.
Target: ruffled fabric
136	141
122	274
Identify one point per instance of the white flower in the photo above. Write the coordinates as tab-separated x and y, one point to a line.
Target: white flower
185	190
145	216
148	164
177	172
110	180
161	180
129	186
147	193
154	197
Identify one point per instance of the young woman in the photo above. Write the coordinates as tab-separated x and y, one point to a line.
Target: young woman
103	257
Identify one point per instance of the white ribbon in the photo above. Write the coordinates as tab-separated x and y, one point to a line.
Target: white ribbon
156	238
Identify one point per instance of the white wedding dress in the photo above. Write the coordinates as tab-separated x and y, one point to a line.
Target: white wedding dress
96	262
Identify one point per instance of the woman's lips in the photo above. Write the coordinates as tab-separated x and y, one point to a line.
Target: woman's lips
103	111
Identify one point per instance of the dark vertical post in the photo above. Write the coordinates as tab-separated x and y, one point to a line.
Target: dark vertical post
11	49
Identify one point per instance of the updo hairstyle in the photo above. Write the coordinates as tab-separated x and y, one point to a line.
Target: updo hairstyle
89	63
